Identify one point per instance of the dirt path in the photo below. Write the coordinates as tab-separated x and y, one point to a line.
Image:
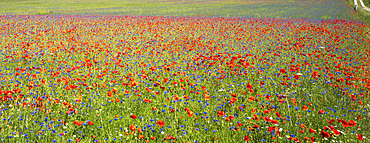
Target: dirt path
363	5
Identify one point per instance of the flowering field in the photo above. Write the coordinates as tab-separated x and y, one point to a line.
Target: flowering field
205	71
197	79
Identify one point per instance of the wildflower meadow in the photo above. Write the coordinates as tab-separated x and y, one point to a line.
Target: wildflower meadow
165	78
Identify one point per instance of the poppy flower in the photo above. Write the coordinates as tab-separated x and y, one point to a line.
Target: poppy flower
160	123
176	97
114	90
305	107
283	71
324	134
246	138
315	74
206	97
321	111
241	108
352	123
274	122
233	94
133	116
278	114
231	117
91	123
110	94
312	130
360	137
133	128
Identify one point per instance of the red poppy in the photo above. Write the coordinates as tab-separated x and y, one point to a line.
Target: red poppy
114	90
325	134
274	122
315	74
133	128
231	117
360	137
296	77
91	123
283	71
220	113
312	130
305	107
233	94
278	114
359	117
133	116
246	138
321	111
241	108
176	97
160	123
336	132
109	94
206	97
352	123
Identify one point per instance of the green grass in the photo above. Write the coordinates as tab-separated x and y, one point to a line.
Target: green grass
366	2
361	14
224	8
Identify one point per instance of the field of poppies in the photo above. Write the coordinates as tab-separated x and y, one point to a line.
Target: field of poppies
105	78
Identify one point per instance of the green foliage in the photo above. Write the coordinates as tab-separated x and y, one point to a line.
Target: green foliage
361	15
224	8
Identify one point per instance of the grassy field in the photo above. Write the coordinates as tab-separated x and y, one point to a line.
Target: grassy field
184	71
366	2
225	8
361	15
